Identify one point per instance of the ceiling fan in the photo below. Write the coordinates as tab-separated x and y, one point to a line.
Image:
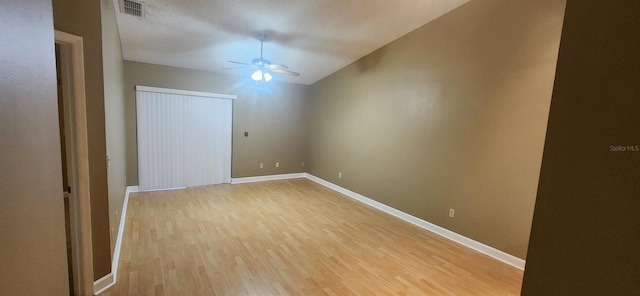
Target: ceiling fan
263	67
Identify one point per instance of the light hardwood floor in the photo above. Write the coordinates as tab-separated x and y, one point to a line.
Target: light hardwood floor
290	237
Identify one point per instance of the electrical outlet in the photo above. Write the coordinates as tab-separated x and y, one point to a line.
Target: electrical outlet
277	164
262	165
302	163
339	175
116	216
452	213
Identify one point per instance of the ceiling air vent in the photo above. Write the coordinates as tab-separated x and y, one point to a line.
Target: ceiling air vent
132	7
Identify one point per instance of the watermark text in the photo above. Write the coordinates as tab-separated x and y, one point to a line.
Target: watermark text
624	148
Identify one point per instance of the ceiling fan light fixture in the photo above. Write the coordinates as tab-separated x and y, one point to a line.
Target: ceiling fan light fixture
259	75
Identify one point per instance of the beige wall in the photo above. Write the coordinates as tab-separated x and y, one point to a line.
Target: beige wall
452	115
32	233
113	67
275	117
82	18
585	238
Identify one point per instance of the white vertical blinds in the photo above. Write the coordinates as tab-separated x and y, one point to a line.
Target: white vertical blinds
183	140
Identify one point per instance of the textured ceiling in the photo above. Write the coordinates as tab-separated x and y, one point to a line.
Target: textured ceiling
313	37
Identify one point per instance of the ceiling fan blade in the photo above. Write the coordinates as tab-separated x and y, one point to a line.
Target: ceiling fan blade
276	66
241	63
284	71
231	68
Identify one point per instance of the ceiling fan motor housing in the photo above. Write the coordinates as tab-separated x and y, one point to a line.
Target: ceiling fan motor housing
261	62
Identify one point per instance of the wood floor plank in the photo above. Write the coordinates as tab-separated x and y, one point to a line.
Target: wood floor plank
291	237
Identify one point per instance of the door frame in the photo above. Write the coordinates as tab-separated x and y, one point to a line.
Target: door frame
74	104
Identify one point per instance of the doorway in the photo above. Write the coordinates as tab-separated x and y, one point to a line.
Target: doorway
75	163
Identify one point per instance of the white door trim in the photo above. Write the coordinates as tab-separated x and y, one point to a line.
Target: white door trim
72	66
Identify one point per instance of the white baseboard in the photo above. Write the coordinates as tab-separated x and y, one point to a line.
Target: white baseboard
463	240
103	283
267	178
123	215
109	280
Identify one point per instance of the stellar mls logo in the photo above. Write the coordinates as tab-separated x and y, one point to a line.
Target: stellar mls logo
621	148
